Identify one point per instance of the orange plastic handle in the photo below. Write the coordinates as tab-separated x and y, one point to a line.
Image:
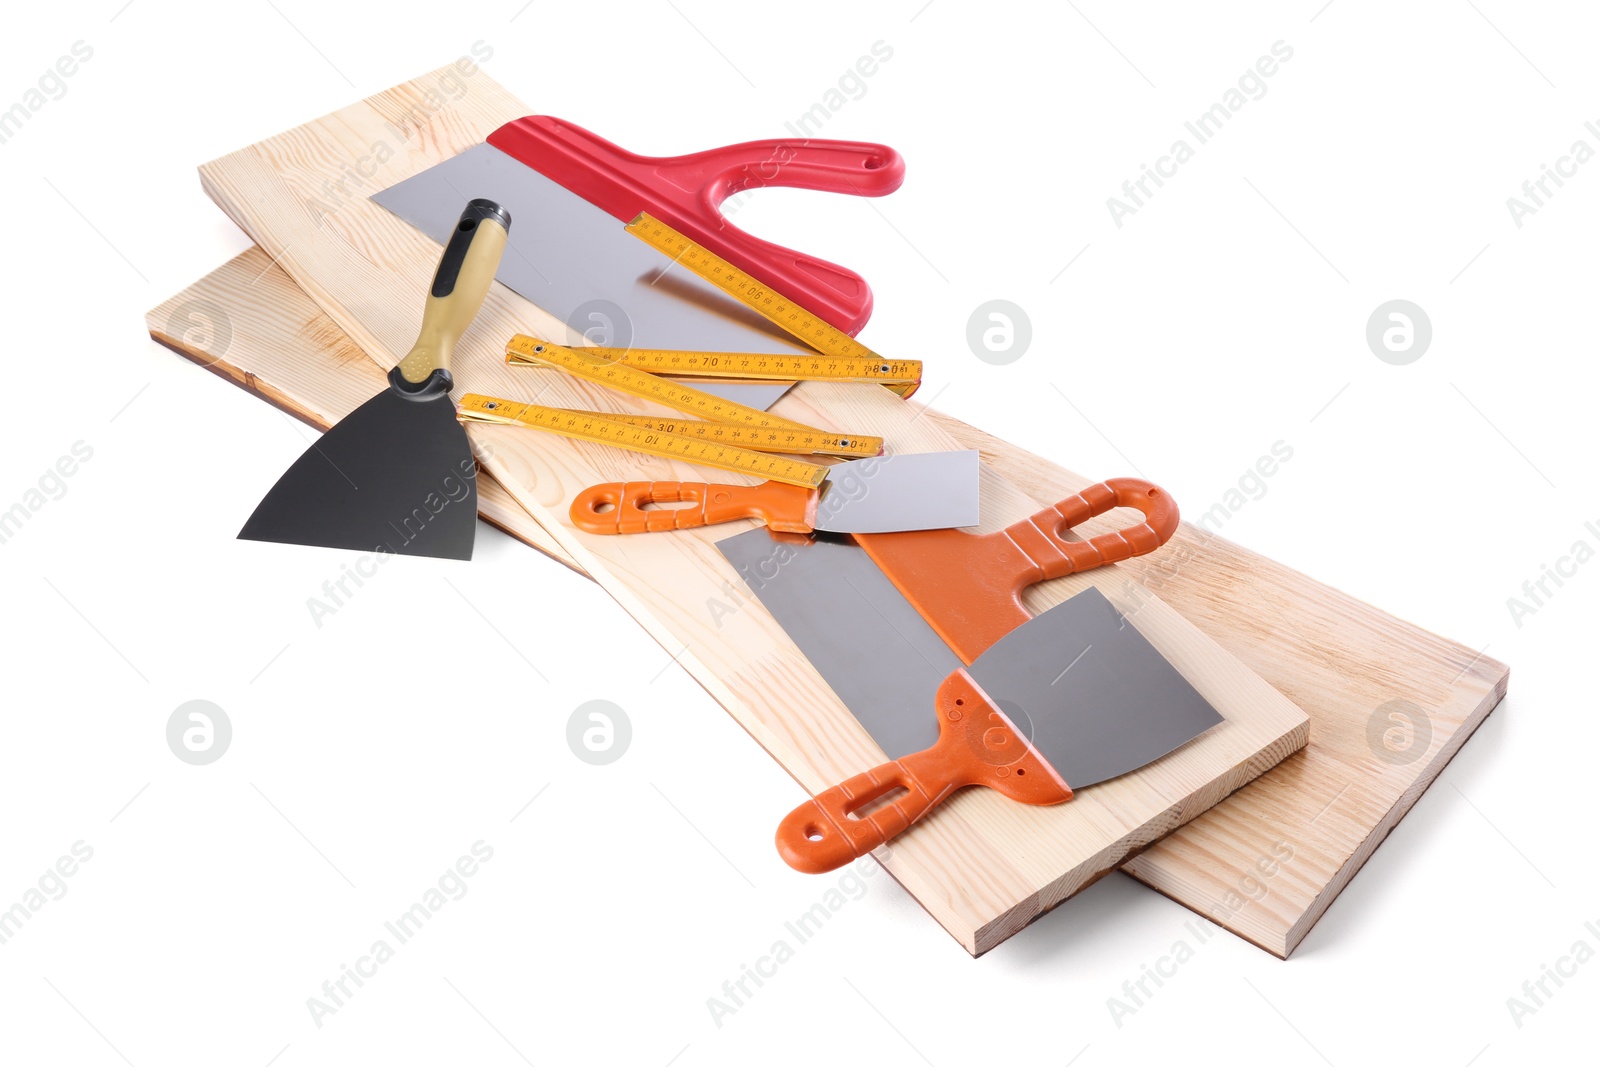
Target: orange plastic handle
969	586
1040	537
619	507
978	745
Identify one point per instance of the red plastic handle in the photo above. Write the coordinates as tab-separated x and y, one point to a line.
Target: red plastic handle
619	507
969	586
857	167
978	745
686	192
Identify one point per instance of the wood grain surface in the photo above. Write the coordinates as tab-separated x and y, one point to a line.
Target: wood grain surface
983	866
1266	862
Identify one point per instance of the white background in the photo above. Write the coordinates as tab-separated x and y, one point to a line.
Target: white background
1226	315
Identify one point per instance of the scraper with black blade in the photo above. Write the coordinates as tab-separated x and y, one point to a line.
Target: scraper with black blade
397	474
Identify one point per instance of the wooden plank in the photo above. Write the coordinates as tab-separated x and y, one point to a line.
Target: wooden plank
1340	659
984	866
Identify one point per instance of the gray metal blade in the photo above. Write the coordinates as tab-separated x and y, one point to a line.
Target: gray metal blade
888	494
1079	681
1095	698
865	639
394	475
578	263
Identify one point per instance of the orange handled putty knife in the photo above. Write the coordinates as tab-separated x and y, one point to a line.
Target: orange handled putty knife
1067	700
882	494
890	664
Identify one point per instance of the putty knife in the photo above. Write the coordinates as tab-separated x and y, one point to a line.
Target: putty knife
574	192
881	494
1069	699
397	474
872	646
870	643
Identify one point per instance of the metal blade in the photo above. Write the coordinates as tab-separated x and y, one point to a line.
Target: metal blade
888	494
577	262
395	475
1095	698
864	638
1091	693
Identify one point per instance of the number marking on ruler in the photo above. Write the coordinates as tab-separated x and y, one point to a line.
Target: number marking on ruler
897	375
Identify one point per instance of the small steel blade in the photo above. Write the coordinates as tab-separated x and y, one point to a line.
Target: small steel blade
577	262
889	494
395	475
1092	694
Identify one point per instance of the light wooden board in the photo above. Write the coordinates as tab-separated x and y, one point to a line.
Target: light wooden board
1341	660
983	866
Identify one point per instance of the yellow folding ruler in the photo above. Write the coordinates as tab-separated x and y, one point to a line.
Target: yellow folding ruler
776	431
783	440
841	357
615	430
721	433
838	358
899	376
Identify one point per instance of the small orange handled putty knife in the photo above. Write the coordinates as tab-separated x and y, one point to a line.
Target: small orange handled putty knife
882	494
1067	700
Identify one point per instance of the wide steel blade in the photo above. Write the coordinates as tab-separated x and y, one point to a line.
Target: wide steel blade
395	475
1080	681
1092	694
864	638
888	494
577	262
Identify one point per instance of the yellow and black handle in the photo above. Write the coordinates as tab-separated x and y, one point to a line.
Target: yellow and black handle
468	265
